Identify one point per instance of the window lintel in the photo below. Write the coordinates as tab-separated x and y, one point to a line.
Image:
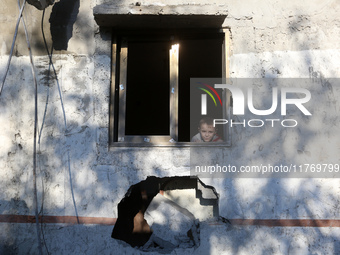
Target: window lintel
157	16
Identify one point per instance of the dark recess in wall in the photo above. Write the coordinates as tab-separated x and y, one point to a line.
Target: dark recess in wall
131	226
64	15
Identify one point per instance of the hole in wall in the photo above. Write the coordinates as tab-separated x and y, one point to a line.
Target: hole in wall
164	213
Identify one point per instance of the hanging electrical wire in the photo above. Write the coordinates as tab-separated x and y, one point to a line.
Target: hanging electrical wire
42	125
35	201
12	47
48	74
51	65
64	114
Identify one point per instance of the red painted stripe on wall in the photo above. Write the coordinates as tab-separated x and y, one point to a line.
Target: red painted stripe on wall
287	222
57	219
6	218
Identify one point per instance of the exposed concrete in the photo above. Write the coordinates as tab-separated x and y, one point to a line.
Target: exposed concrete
185	197
203	200
161	17
173	226
256	26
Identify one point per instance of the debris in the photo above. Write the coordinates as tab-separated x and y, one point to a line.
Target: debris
162	214
171	224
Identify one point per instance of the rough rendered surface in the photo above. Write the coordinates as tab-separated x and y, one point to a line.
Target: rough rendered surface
80	174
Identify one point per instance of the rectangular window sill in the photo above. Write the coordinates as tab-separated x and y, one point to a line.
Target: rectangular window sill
169	145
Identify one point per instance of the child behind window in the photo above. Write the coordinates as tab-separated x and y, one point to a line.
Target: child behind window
206	132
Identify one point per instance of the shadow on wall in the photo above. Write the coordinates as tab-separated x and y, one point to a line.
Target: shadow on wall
98	183
64	15
15	206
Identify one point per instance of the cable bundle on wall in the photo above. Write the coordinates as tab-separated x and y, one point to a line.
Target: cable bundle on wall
40	4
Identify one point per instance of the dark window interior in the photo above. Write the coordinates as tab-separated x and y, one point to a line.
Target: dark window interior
199	58
147	98
147	94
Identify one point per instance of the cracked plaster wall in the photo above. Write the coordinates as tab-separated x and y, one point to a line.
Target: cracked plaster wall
269	39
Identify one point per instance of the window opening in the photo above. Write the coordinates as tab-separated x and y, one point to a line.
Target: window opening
147	94
199	58
150	102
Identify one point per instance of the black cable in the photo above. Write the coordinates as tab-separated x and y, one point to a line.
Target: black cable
48	74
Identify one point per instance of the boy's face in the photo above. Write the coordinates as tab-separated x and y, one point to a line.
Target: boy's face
207	132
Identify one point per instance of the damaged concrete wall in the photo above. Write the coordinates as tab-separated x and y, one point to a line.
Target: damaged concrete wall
78	174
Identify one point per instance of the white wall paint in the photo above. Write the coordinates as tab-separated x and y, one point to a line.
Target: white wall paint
290	39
